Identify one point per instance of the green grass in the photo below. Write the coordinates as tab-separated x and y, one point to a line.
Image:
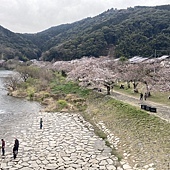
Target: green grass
130	123
160	97
61	104
128	114
70	88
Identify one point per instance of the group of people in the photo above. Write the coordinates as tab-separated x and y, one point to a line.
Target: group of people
143	96
15	148
16	144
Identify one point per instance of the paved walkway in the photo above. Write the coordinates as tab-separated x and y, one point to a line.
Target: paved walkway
163	111
65	142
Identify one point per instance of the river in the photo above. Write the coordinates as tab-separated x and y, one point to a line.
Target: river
13	110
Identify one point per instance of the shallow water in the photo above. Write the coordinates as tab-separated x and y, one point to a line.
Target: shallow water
13	109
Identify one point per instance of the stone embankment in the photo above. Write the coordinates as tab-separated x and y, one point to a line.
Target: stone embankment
115	142
66	141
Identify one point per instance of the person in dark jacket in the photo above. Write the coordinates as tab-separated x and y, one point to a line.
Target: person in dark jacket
41	123
141	96
145	96
15	148
3	147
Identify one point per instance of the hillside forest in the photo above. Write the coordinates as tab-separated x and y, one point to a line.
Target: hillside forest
115	33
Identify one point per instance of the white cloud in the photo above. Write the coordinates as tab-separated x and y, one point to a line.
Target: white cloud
37	15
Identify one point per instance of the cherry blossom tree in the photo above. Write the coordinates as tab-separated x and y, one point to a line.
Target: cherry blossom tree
92	72
105	71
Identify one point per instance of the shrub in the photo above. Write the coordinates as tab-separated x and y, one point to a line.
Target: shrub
30	92
61	104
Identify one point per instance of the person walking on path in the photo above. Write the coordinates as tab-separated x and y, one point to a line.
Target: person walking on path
41	123
145	96
15	148
141	96
3	147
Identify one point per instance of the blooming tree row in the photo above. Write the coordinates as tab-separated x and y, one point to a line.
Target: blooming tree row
105	72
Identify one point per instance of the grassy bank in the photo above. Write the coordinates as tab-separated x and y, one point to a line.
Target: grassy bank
143	136
54	92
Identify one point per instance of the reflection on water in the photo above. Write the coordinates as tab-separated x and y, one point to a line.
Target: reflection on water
13	108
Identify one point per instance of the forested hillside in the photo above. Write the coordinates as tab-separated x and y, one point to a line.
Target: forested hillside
13	45
126	32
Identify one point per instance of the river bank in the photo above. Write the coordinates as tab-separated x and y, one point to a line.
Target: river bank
141	138
66	141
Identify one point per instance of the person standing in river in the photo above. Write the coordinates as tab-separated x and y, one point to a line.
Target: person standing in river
3	147
15	148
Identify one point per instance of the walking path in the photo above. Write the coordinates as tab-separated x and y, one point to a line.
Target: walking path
163	111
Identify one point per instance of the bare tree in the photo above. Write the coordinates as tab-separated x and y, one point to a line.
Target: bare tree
23	71
11	83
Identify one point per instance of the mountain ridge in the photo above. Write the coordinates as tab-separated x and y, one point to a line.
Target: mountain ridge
129	32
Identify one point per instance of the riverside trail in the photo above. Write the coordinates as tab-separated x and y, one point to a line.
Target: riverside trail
163	111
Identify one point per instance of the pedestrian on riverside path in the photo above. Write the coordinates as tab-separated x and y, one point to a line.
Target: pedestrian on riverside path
41	123
141	96
15	148
145	96
3	147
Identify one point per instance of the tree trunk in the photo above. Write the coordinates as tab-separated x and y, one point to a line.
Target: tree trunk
108	90
135	87
128	84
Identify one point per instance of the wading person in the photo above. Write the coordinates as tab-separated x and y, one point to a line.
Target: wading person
15	148
3	147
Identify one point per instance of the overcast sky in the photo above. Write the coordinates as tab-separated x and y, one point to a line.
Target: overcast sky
31	16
